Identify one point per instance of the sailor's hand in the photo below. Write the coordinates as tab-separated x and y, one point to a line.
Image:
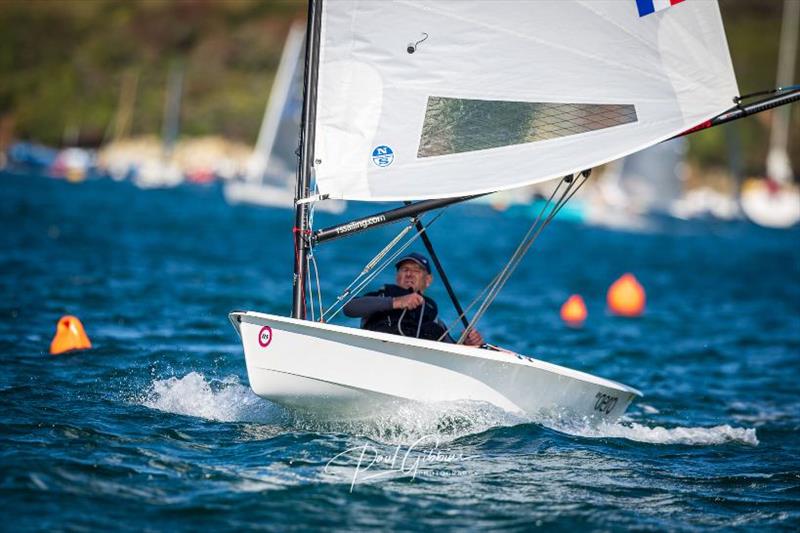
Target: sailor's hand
473	338
409	301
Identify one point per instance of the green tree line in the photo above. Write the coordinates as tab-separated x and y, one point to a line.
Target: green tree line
63	64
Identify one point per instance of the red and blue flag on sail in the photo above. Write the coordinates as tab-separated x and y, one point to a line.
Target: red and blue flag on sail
651	6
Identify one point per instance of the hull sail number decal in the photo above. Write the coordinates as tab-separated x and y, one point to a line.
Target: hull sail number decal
265	336
605	403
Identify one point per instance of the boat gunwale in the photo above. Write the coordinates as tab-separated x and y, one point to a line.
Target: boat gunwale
454	349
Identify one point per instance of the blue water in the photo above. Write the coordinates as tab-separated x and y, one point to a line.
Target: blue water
156	428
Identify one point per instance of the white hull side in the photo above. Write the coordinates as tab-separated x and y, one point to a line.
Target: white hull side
344	373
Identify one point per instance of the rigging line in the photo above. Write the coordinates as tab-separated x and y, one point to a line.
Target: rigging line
524	246
310	292
419	321
319	288
374	261
374	274
497	276
421	315
309	260
400	323
777	90
516	256
311	287
313	258
467	309
339	305
347	290
440	270
369	278
565	197
383	253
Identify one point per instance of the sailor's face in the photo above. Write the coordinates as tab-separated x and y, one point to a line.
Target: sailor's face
412	276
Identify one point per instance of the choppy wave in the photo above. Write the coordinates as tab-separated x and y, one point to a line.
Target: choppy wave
697	436
760	414
228	400
446	421
719	342
225	400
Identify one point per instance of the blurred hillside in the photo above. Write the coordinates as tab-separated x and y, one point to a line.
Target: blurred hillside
64	64
84	71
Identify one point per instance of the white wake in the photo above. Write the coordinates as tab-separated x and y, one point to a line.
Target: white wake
696	436
228	400
225	400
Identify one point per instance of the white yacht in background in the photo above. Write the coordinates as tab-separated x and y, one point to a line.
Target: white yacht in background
774	202
270	174
162	171
653	182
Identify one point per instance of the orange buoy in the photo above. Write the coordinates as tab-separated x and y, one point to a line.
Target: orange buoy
626	296
573	312
70	335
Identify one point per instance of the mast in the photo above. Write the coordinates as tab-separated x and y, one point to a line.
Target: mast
301	230
172	109
779	166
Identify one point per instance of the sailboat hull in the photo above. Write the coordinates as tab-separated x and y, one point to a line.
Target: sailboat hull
334	372
771	206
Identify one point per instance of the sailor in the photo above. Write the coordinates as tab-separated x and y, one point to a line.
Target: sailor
402	308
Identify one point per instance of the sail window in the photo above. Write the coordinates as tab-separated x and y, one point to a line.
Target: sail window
457	125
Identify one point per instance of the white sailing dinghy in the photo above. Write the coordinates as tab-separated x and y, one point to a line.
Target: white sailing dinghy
440	102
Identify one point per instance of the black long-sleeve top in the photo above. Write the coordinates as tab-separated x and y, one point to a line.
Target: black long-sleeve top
377	313
367	305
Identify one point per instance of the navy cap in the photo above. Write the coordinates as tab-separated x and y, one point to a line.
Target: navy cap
419	259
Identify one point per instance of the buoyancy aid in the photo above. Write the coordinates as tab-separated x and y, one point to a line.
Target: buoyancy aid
420	322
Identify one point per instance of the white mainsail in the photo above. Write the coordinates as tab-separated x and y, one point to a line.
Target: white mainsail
422	100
